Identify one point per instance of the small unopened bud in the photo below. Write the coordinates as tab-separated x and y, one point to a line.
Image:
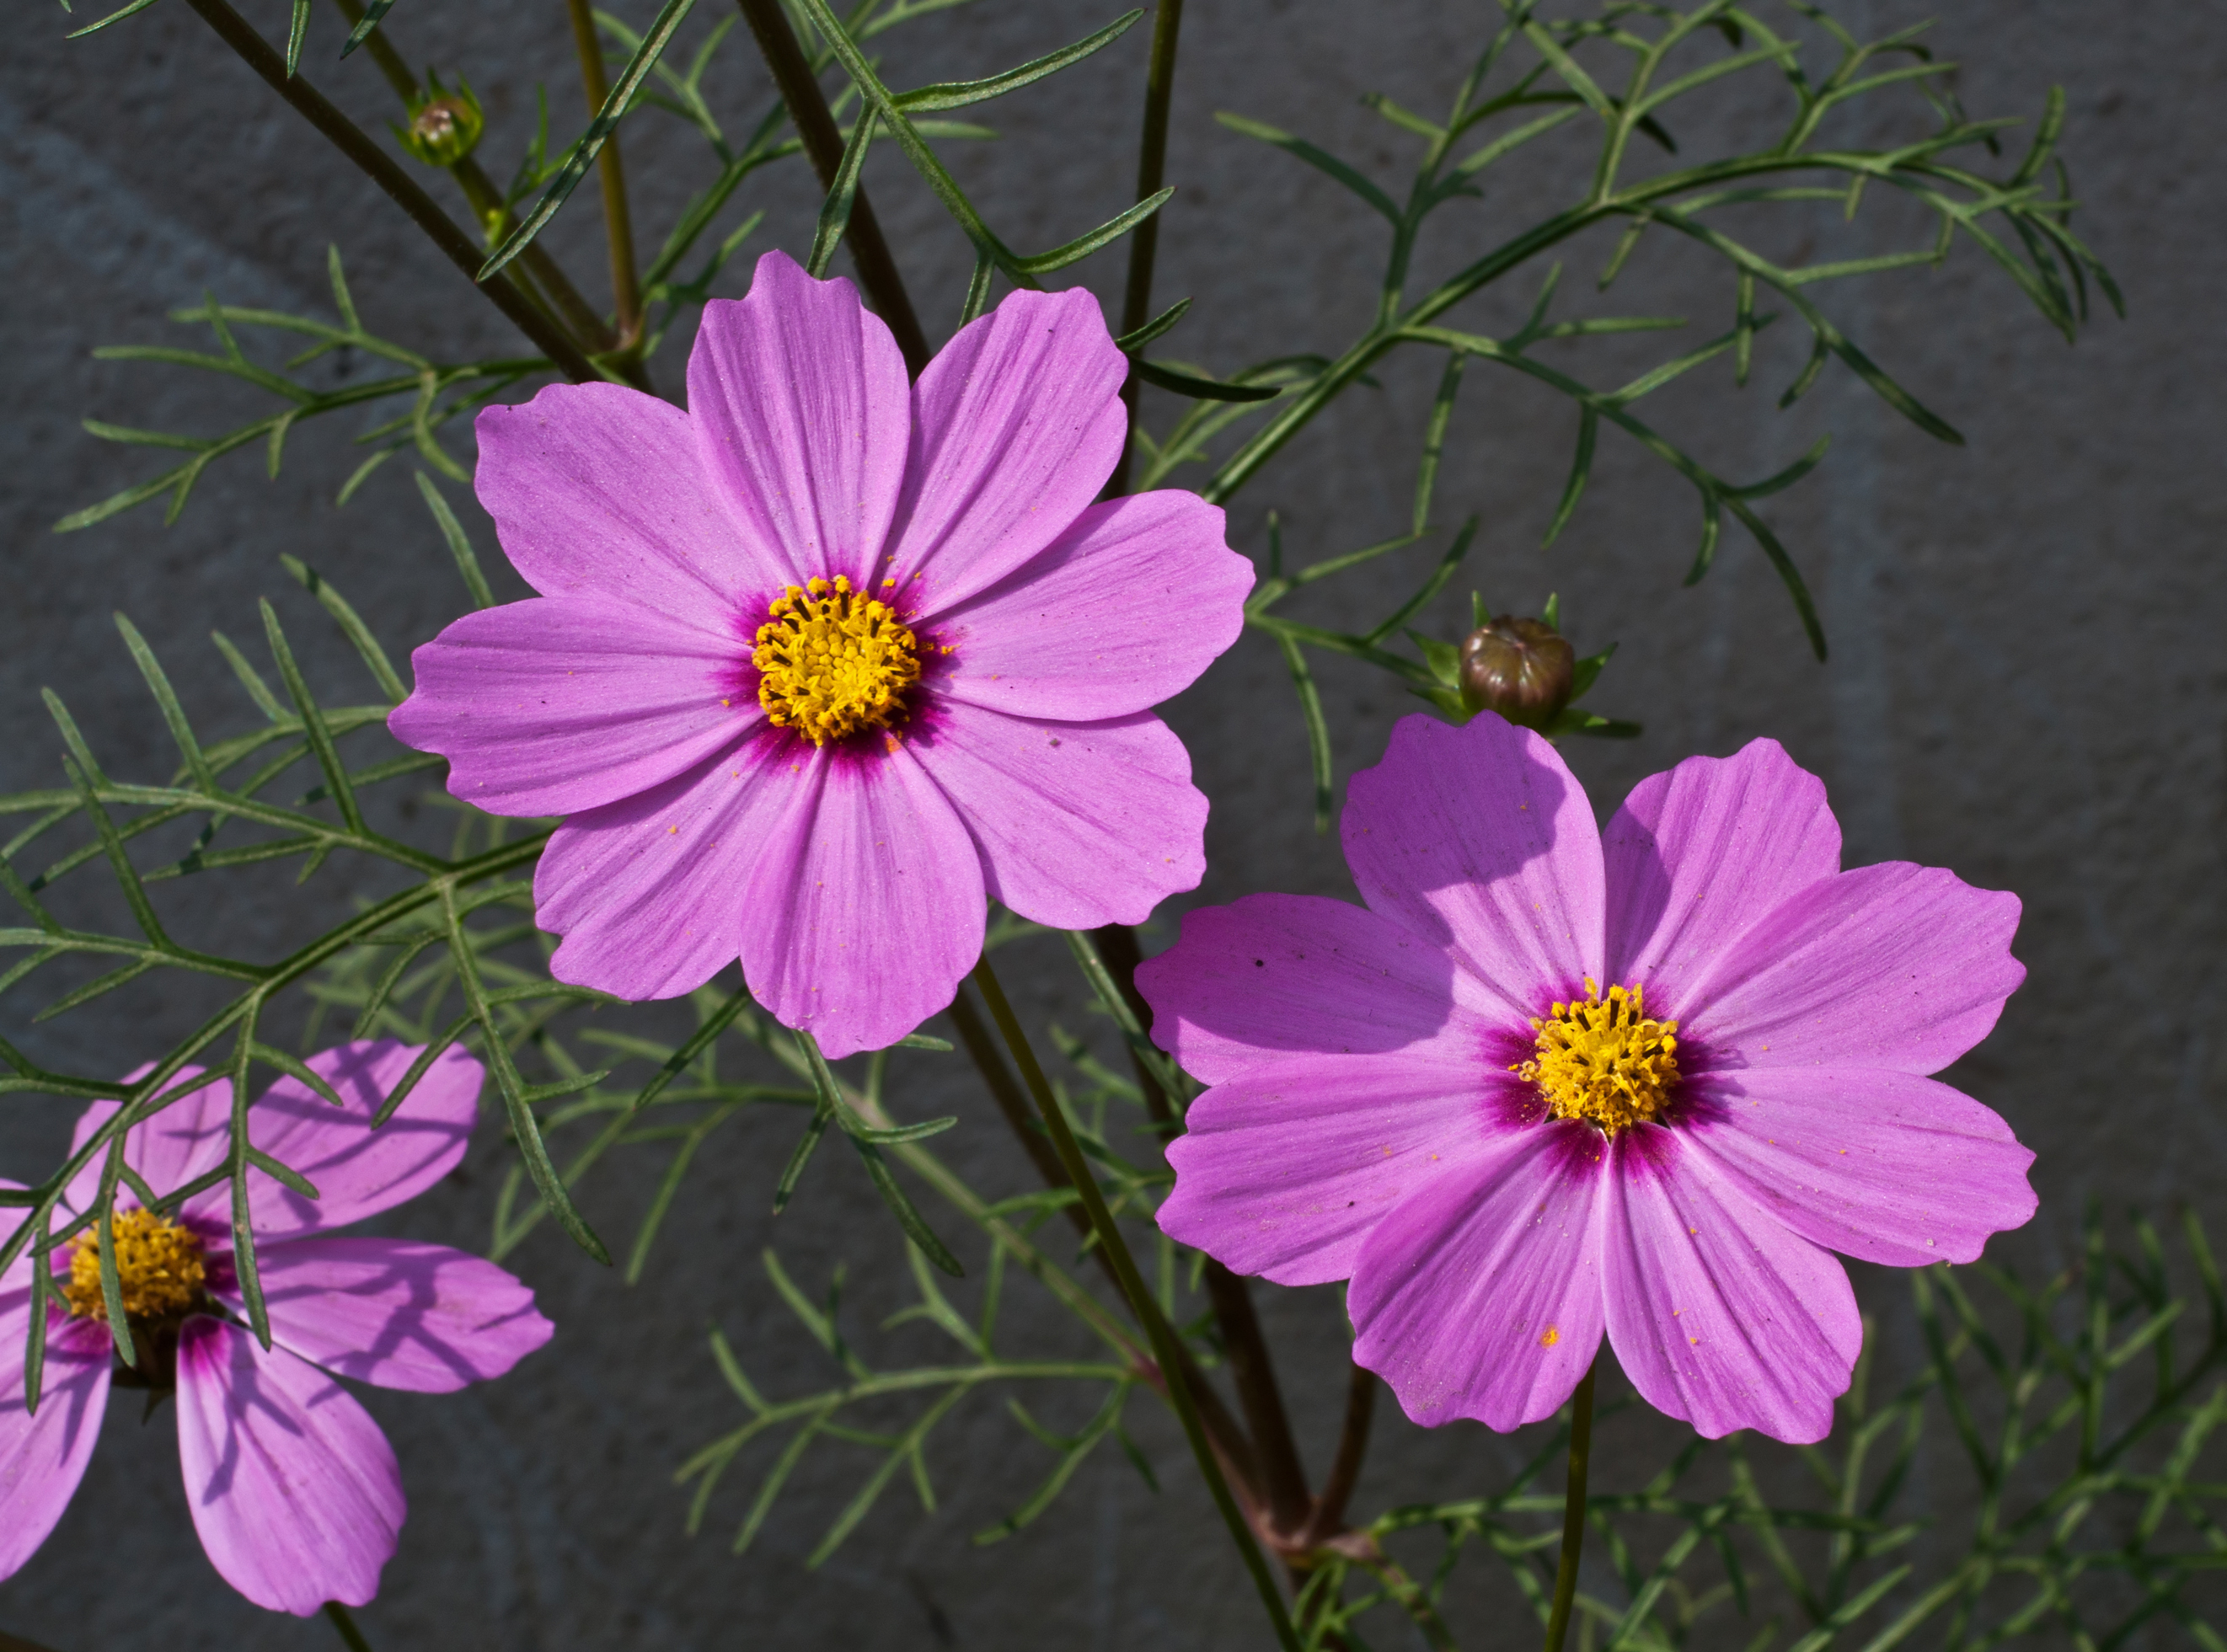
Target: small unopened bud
1521	668
444	125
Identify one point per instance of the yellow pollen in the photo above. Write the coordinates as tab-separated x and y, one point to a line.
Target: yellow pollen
1604	1062
832	660
157	1262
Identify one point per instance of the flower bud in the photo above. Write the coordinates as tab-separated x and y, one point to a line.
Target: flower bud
444	126
1521	668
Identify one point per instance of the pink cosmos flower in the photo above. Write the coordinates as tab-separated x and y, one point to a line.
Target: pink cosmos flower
1552	1082
294	1490
822	661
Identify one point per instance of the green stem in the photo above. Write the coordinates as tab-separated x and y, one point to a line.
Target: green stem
346	1625
1231	1444
1283	1480
1352	1445
540	270
1144	240
823	142
618	221
981	1049
1166	1350
1573	1511
1294	415
1281	1477
457	248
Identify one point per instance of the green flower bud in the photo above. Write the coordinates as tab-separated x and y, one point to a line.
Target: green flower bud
444	126
1522	669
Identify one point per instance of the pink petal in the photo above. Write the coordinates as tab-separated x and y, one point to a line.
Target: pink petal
43	1455
802	412
864	919
1720	1315
1886	1166
398	1312
186	1139
1123	611
1273	978
1695	857
1481	1296
294	1490
357	1171
1284	1170
597	490
1479	840
1016	425
1892	966
1079	824
555	706
650	893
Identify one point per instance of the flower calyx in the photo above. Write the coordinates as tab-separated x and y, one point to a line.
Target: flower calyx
444	126
1521	669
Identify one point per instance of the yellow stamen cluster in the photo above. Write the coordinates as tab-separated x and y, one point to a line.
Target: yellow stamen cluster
1604	1062
832	660
157	1262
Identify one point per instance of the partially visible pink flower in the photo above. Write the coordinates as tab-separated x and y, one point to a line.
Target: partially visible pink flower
1553	1082
294	1490
821	662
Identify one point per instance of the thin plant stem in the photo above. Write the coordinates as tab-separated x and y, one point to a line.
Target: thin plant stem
486	205
1166	1348
1352	1446
483	199
346	1624
456	246
981	1047
1239	1460
1573	1510
823	142
486	199
618	221
1230	1444
1283	1478
1152	162
1144	240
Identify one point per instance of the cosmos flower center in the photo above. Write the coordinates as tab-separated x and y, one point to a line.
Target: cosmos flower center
158	1264
832	660
1604	1060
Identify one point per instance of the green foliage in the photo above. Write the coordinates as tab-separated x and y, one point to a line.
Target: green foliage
821	1416
437	392
2050	264
2087	1508
582	154
2087	1430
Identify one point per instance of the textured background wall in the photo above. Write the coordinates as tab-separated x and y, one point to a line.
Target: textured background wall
2026	687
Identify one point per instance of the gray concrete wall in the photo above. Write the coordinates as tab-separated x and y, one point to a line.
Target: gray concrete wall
2025	687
